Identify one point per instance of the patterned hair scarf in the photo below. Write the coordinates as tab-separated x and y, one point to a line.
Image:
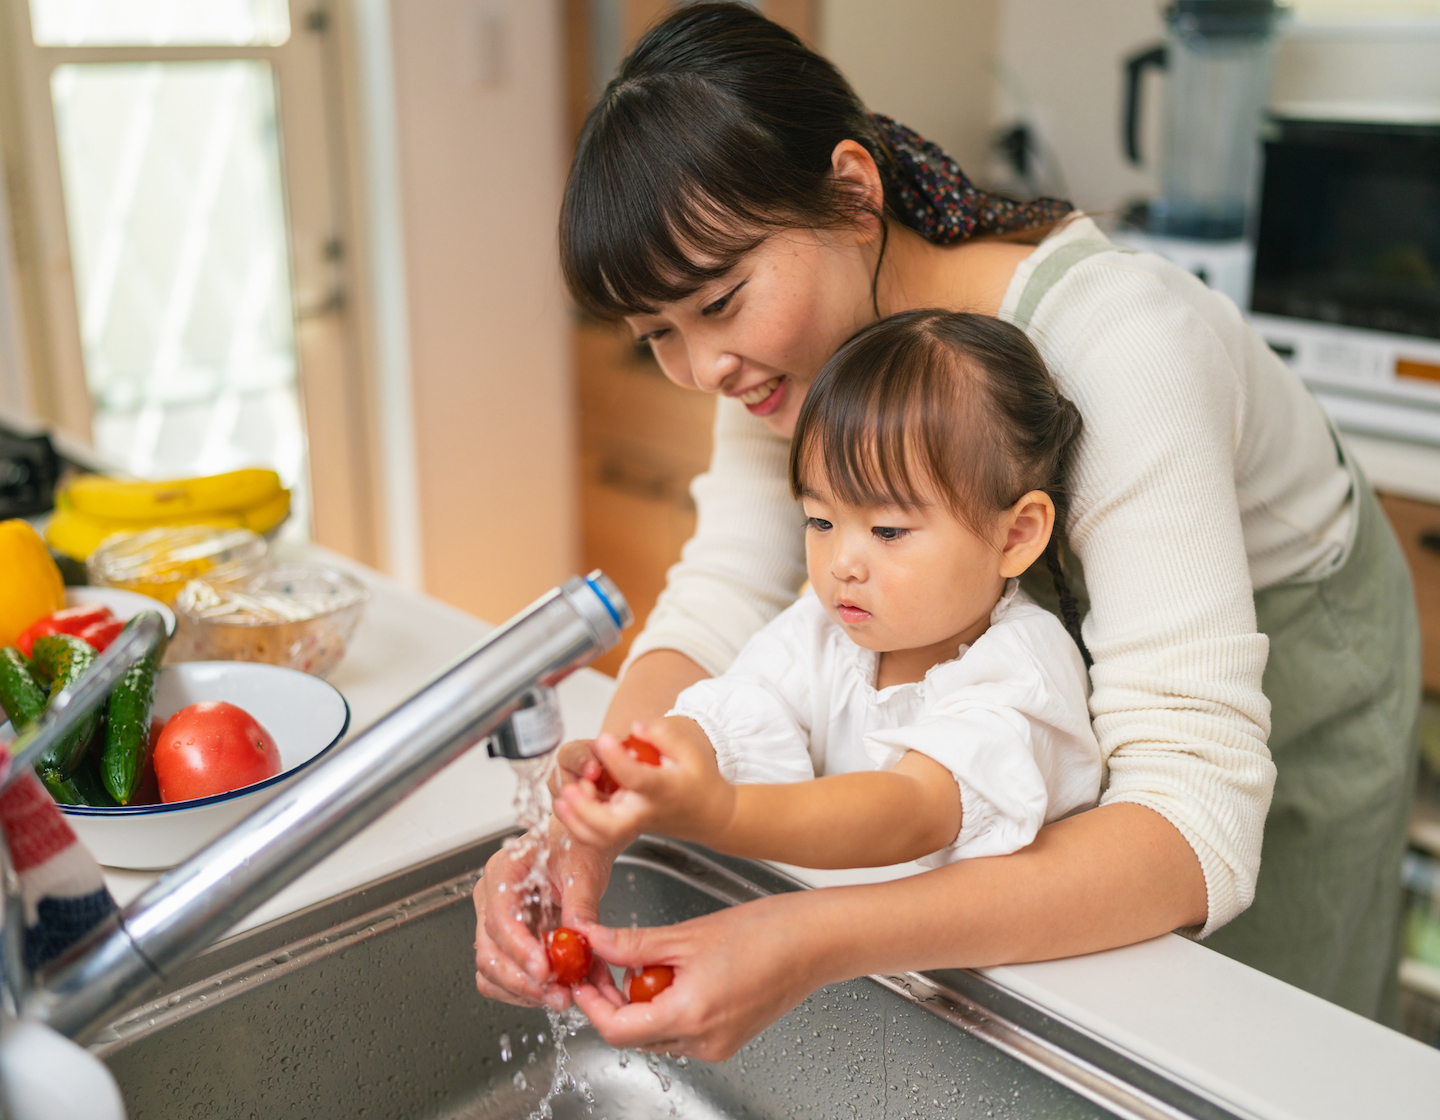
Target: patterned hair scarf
932	196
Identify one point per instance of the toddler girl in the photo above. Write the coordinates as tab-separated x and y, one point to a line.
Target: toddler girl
943	709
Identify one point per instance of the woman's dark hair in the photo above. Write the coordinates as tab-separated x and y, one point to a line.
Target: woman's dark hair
716	131
934	401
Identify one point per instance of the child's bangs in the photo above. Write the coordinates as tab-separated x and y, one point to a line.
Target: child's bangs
857	465
880	439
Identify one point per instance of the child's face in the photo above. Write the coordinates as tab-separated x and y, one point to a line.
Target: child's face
904	580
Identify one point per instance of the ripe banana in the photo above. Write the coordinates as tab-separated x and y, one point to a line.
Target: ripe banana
117	499
78	534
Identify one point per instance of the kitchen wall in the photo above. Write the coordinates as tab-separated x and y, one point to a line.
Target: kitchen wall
480	141
927	63
1060	62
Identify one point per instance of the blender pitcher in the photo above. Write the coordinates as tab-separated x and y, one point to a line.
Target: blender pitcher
1220	55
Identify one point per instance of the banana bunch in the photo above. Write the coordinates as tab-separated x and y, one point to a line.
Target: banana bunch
93	506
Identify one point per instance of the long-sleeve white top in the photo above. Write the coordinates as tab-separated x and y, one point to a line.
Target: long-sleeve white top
1007	718
1205	472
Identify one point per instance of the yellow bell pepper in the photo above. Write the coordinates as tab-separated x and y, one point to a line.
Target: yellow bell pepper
30	583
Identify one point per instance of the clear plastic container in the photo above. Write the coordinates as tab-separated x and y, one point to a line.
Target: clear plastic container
159	562
301	616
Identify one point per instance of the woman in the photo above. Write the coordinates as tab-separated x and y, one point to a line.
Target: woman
733	201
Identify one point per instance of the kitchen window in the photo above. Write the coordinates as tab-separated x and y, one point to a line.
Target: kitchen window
181	219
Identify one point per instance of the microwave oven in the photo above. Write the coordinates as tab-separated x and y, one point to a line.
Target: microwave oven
1346	278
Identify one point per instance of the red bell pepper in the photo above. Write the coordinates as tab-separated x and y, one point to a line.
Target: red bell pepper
69	620
101	634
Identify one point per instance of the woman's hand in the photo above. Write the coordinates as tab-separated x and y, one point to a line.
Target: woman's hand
510	961
736	972
683	796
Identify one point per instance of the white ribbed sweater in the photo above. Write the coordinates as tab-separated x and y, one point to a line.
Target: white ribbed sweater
1205	471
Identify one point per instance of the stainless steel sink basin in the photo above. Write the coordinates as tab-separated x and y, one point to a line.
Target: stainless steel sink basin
365	1006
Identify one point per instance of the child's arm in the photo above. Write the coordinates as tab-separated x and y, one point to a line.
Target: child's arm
865	819
869	818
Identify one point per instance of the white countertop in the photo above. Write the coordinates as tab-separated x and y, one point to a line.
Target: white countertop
1252	1043
1410	470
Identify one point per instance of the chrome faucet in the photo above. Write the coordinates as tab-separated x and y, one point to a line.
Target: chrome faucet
511	673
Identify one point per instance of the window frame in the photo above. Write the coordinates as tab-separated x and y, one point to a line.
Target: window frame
318	126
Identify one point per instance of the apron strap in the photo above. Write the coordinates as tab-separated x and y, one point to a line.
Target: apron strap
1049	271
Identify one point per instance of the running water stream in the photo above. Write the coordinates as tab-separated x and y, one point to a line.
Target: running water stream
535	905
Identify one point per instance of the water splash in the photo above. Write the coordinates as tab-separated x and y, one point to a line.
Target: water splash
563	1024
534	903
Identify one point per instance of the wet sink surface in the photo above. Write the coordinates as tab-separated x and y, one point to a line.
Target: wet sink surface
366	1007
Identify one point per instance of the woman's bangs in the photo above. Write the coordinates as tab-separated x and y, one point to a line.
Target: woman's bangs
643	223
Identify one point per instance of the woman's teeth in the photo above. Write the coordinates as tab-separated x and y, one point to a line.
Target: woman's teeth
760	392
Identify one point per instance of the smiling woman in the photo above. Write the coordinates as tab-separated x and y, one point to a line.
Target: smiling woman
732	199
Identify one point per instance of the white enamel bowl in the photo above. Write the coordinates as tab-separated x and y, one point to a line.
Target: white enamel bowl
306	716
125	605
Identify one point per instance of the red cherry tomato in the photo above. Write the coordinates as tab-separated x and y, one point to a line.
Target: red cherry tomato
67	620
570	955
640	751
649	982
101	634
212	747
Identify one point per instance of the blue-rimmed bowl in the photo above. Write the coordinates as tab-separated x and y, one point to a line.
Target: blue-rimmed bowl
306	716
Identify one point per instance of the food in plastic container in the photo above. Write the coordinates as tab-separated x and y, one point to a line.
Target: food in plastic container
160	562
300	616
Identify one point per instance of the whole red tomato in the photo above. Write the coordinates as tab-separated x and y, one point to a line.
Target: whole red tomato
212	747
649	982
570	955
640	751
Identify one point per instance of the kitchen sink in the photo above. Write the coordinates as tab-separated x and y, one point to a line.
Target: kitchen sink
365	1006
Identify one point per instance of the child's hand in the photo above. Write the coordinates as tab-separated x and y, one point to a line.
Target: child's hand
684	796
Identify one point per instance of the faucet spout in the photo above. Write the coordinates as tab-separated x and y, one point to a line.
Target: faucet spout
202	898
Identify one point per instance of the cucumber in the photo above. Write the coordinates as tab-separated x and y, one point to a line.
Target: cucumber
62	660
127	726
81	788
20	693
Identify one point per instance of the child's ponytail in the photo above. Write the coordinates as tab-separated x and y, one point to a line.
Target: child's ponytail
1064	435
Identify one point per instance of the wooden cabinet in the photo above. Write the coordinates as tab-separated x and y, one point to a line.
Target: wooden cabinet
1417	524
642	439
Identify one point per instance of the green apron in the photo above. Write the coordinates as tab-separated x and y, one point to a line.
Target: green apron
1343	680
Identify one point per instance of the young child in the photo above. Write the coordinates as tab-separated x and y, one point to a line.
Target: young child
942	709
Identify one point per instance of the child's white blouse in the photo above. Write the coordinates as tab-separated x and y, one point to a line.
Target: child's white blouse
1008	717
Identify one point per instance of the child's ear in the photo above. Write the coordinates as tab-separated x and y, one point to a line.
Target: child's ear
1028	525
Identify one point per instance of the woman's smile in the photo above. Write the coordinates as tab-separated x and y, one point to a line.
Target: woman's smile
764	399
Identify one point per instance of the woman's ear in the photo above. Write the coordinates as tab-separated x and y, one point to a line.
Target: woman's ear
1027	527
855	170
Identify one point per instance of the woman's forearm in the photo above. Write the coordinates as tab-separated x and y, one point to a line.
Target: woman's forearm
1108	877
649	687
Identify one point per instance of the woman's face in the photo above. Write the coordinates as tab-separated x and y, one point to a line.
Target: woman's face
761	332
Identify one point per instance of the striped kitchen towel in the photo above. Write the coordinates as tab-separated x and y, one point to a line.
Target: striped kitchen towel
64	893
